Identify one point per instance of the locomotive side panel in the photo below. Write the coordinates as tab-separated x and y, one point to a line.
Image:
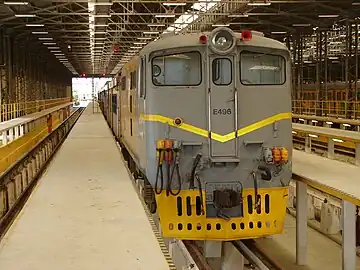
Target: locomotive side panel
129	109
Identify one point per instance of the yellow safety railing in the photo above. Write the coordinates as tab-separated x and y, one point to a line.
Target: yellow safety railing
346	109
15	110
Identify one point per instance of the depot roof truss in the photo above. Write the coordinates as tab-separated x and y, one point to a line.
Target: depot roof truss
98	37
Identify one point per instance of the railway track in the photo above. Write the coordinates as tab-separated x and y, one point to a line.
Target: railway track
18	181
257	257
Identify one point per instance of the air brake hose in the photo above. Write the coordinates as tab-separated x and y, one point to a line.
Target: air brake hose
159	171
192	176
168	159
256	190
201	195
168	187
177	169
192	180
266	175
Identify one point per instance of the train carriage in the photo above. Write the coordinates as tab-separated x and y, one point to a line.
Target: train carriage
205	119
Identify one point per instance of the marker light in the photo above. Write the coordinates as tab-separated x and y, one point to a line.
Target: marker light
246	35
276	154
203	39
284	154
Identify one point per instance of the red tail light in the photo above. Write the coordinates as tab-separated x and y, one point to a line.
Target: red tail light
203	39
246	35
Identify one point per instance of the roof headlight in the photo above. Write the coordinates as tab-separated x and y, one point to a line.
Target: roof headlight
222	40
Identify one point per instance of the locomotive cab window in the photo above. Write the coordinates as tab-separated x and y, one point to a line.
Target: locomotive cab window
221	71
262	69
177	69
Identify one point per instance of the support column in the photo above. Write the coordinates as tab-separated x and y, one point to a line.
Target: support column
357	154
307	144
301	223
331	149
348	236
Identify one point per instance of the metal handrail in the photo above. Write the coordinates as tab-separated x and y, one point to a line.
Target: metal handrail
18	109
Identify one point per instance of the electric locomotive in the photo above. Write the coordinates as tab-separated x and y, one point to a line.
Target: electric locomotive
205	120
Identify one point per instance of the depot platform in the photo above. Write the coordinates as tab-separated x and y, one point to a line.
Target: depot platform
84	212
300	247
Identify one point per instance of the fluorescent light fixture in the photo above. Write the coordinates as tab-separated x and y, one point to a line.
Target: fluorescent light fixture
144	38
259	4
300	119
338	140
328	15
151	32
16	3
102	15
100	32
294	132
238	16
333	58
314	121
356	3
45	38
34	25
313	136
25	15
164	15
329	123
174	4
135	47
139	43
40	33
346	125
101	25
220	25
56	51
301	24
156	25
278	32
102	3
49	43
